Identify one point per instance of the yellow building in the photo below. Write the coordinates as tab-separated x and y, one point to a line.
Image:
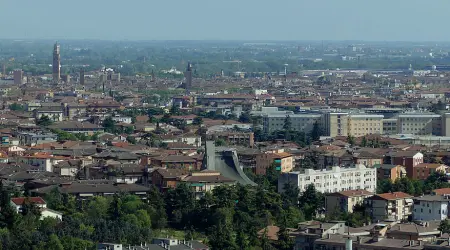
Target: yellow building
345	201
365	124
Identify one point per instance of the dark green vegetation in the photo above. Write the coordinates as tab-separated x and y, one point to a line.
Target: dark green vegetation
227	218
414	187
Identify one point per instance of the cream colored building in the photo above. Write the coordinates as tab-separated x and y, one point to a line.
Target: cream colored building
365	124
336	124
397	206
419	124
345	201
335	179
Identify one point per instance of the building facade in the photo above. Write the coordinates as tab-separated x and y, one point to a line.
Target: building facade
397	206
332	180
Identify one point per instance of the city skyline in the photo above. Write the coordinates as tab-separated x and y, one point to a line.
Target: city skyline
383	20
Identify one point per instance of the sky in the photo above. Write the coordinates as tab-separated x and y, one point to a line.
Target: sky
369	20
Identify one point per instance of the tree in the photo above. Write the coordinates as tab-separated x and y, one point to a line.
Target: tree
197	120
287	126
221	238
316	132
131	139
444	226
351	140
220	142
54	243
245	117
110	125
363	142
16	107
44	121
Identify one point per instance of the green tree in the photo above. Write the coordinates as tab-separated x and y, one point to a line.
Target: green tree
245	117
287	126
316	132
131	139
197	120
351	140
363	142
220	142
221	238
54	243
16	107
44	121
110	125
444	226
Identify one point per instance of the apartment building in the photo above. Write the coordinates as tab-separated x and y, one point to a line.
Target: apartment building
299	122
390	126
389	171
345	201
408	159
332	180
397	206
365	124
423	170
283	161
431	207
336	124
419	124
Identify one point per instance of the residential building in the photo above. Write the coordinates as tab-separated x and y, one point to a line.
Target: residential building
78	127
345	242
389	171
176	162
73	110
303	122
18	202
33	139
45	162
390	126
205	181
234	138
84	189
345	201
122	119
397	206
283	161
365	124
431	207
419	123
423	170
408	159
310	231
55	114
336	124
165	179
331	180
368	159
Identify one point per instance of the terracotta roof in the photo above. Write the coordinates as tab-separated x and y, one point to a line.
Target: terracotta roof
353	193
271	232
394	196
405	153
35	200
442	191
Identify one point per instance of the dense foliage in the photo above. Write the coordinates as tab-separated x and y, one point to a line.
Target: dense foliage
227	218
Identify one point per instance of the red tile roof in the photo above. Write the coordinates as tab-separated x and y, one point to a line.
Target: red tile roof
34	200
394	196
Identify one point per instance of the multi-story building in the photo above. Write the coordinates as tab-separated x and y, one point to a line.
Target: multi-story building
18	77
365	124
234	138
390	126
389	171
419	124
299	122
408	159
33	139
345	201
431	207
335	124
331	180
423	170
55	114
283	161
395	206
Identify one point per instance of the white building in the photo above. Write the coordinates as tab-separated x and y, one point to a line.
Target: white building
431	207
299	122
122	119
332	180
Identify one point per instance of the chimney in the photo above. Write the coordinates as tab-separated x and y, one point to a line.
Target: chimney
411	243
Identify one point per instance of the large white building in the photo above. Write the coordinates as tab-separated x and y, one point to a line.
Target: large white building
299	122
431	207
419	124
332	180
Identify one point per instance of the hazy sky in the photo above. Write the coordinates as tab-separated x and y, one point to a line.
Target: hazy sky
392	20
